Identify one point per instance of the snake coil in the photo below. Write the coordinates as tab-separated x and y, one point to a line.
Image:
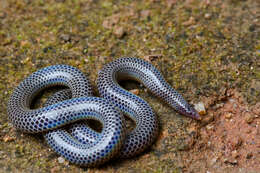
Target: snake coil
82	145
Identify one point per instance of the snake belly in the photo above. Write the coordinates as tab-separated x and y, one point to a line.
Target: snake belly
136	108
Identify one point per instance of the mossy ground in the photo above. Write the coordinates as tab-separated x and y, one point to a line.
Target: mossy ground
202	48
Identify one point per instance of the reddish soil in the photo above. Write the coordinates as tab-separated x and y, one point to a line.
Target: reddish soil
229	138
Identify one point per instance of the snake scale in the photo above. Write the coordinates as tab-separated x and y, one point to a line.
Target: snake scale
80	144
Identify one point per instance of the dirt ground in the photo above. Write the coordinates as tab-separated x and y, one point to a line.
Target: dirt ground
207	50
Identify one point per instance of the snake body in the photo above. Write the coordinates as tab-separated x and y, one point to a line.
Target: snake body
83	145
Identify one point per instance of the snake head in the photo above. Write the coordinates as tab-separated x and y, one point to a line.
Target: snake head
189	111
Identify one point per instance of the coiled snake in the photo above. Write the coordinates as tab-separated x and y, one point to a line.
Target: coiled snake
82	145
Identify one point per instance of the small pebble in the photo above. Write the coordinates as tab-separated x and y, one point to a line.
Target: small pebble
214	160
65	37
189	22
152	57
232	100
209	127
248	131
8	139
85	49
249	155
2	15
200	108
228	115
234	154
230	161
207	15
249	118
61	160
119	32
219	105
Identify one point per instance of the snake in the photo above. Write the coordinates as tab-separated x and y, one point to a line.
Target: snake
79	143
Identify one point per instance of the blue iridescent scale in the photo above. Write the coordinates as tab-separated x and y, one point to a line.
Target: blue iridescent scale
81	144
